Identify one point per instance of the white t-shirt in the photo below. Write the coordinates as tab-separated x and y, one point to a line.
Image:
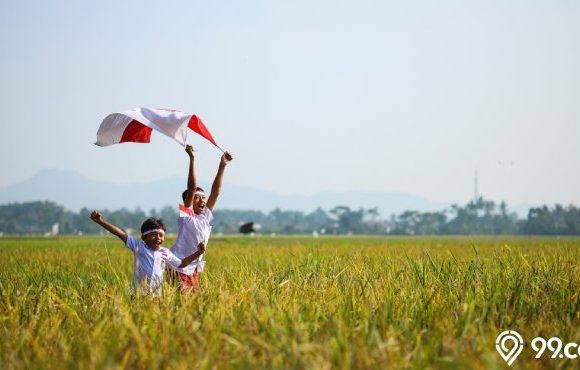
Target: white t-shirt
149	265
193	229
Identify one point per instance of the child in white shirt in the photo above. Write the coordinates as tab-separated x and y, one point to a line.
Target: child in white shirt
150	256
194	223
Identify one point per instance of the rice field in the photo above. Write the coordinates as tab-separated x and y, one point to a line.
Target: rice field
291	303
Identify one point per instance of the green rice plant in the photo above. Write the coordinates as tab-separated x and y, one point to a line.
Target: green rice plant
291	303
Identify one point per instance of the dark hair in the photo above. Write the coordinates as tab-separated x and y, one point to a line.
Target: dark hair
184	194
152	223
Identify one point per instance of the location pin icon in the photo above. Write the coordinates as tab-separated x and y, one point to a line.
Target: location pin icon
509	345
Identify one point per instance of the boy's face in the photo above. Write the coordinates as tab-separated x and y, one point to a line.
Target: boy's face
154	240
198	203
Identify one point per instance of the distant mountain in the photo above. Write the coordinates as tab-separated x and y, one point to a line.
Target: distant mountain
74	191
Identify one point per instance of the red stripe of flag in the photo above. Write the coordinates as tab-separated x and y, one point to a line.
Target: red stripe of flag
197	125
136	132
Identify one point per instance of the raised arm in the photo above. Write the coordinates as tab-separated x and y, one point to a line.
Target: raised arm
192	257
191	180
217	182
113	229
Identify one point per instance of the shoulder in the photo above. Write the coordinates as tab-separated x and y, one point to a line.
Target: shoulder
185	212
186	215
134	244
207	214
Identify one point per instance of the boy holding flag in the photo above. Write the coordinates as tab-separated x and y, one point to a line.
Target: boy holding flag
195	217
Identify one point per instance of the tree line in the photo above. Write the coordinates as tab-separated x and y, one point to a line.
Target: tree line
480	217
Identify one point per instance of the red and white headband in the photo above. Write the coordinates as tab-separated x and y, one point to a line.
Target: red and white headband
158	231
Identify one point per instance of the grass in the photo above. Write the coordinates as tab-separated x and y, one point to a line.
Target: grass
291	302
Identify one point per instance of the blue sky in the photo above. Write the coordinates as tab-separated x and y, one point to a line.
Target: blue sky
309	95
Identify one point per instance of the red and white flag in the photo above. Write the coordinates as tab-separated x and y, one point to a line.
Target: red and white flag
135	125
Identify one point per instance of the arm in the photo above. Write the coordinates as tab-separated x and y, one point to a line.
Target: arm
217	182
191	181
192	257
113	229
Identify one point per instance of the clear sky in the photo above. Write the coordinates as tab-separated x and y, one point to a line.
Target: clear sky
310	96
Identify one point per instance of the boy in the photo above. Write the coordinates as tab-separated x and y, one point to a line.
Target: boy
194	223
150	256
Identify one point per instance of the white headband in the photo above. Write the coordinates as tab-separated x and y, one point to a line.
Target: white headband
159	231
199	192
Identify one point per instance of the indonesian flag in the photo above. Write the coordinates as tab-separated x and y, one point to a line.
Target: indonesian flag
135	125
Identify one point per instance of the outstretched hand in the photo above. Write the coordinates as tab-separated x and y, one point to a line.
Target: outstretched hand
227	157
190	151
96	216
